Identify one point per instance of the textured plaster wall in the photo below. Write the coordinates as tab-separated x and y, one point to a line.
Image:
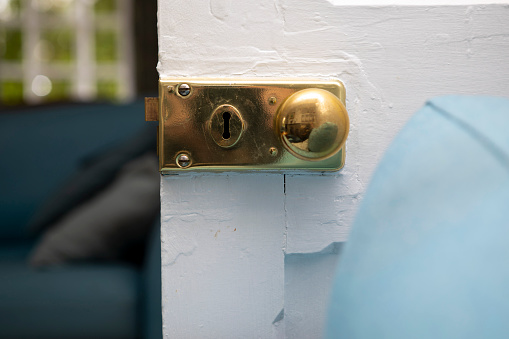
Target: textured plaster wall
250	255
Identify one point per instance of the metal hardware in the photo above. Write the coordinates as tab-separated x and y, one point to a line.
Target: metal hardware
313	124
273	151
226	126
251	125
183	160
184	90
151	109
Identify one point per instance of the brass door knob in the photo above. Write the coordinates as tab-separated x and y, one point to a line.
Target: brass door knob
313	124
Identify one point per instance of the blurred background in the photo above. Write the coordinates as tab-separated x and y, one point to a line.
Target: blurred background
77	50
79	181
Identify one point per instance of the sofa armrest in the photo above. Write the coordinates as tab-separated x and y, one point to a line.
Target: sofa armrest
151	286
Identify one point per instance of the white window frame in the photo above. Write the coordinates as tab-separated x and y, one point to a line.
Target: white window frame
84	72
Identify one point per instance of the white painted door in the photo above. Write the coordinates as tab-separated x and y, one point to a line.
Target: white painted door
253	255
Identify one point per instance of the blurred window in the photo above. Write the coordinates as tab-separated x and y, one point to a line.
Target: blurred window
53	50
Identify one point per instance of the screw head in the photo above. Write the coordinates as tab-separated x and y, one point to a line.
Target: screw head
273	151
183	160
184	90
272	100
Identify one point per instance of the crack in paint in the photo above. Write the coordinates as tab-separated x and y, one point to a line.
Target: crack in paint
285	237
174	260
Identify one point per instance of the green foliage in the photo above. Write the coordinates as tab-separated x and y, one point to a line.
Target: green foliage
107	89
15	6
61	42
60	90
11	92
105	6
105	46
12	42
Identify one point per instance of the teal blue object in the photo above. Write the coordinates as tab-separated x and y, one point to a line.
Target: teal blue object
152	323
79	301
40	148
428	255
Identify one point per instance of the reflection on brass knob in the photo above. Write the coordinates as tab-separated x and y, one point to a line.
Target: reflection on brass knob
313	124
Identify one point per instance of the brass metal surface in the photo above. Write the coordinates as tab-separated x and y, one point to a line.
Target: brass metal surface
313	124
226	126
223	125
151	109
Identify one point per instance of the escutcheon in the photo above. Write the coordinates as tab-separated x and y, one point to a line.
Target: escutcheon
226	126
250	125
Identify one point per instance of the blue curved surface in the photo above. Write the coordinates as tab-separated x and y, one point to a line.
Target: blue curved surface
428	255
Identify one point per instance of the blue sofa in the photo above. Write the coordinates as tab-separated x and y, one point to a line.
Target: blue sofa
40	148
428	254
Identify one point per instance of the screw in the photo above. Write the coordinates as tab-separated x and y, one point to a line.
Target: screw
170	89
273	151
183	160
184	90
272	100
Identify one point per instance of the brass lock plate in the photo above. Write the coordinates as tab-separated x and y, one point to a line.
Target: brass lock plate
223	125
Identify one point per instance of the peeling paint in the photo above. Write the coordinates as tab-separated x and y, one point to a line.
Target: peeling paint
279	317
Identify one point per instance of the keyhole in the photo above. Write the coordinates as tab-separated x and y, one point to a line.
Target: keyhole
226	128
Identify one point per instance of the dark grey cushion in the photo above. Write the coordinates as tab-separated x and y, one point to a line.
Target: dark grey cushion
108	224
96	173
49	142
